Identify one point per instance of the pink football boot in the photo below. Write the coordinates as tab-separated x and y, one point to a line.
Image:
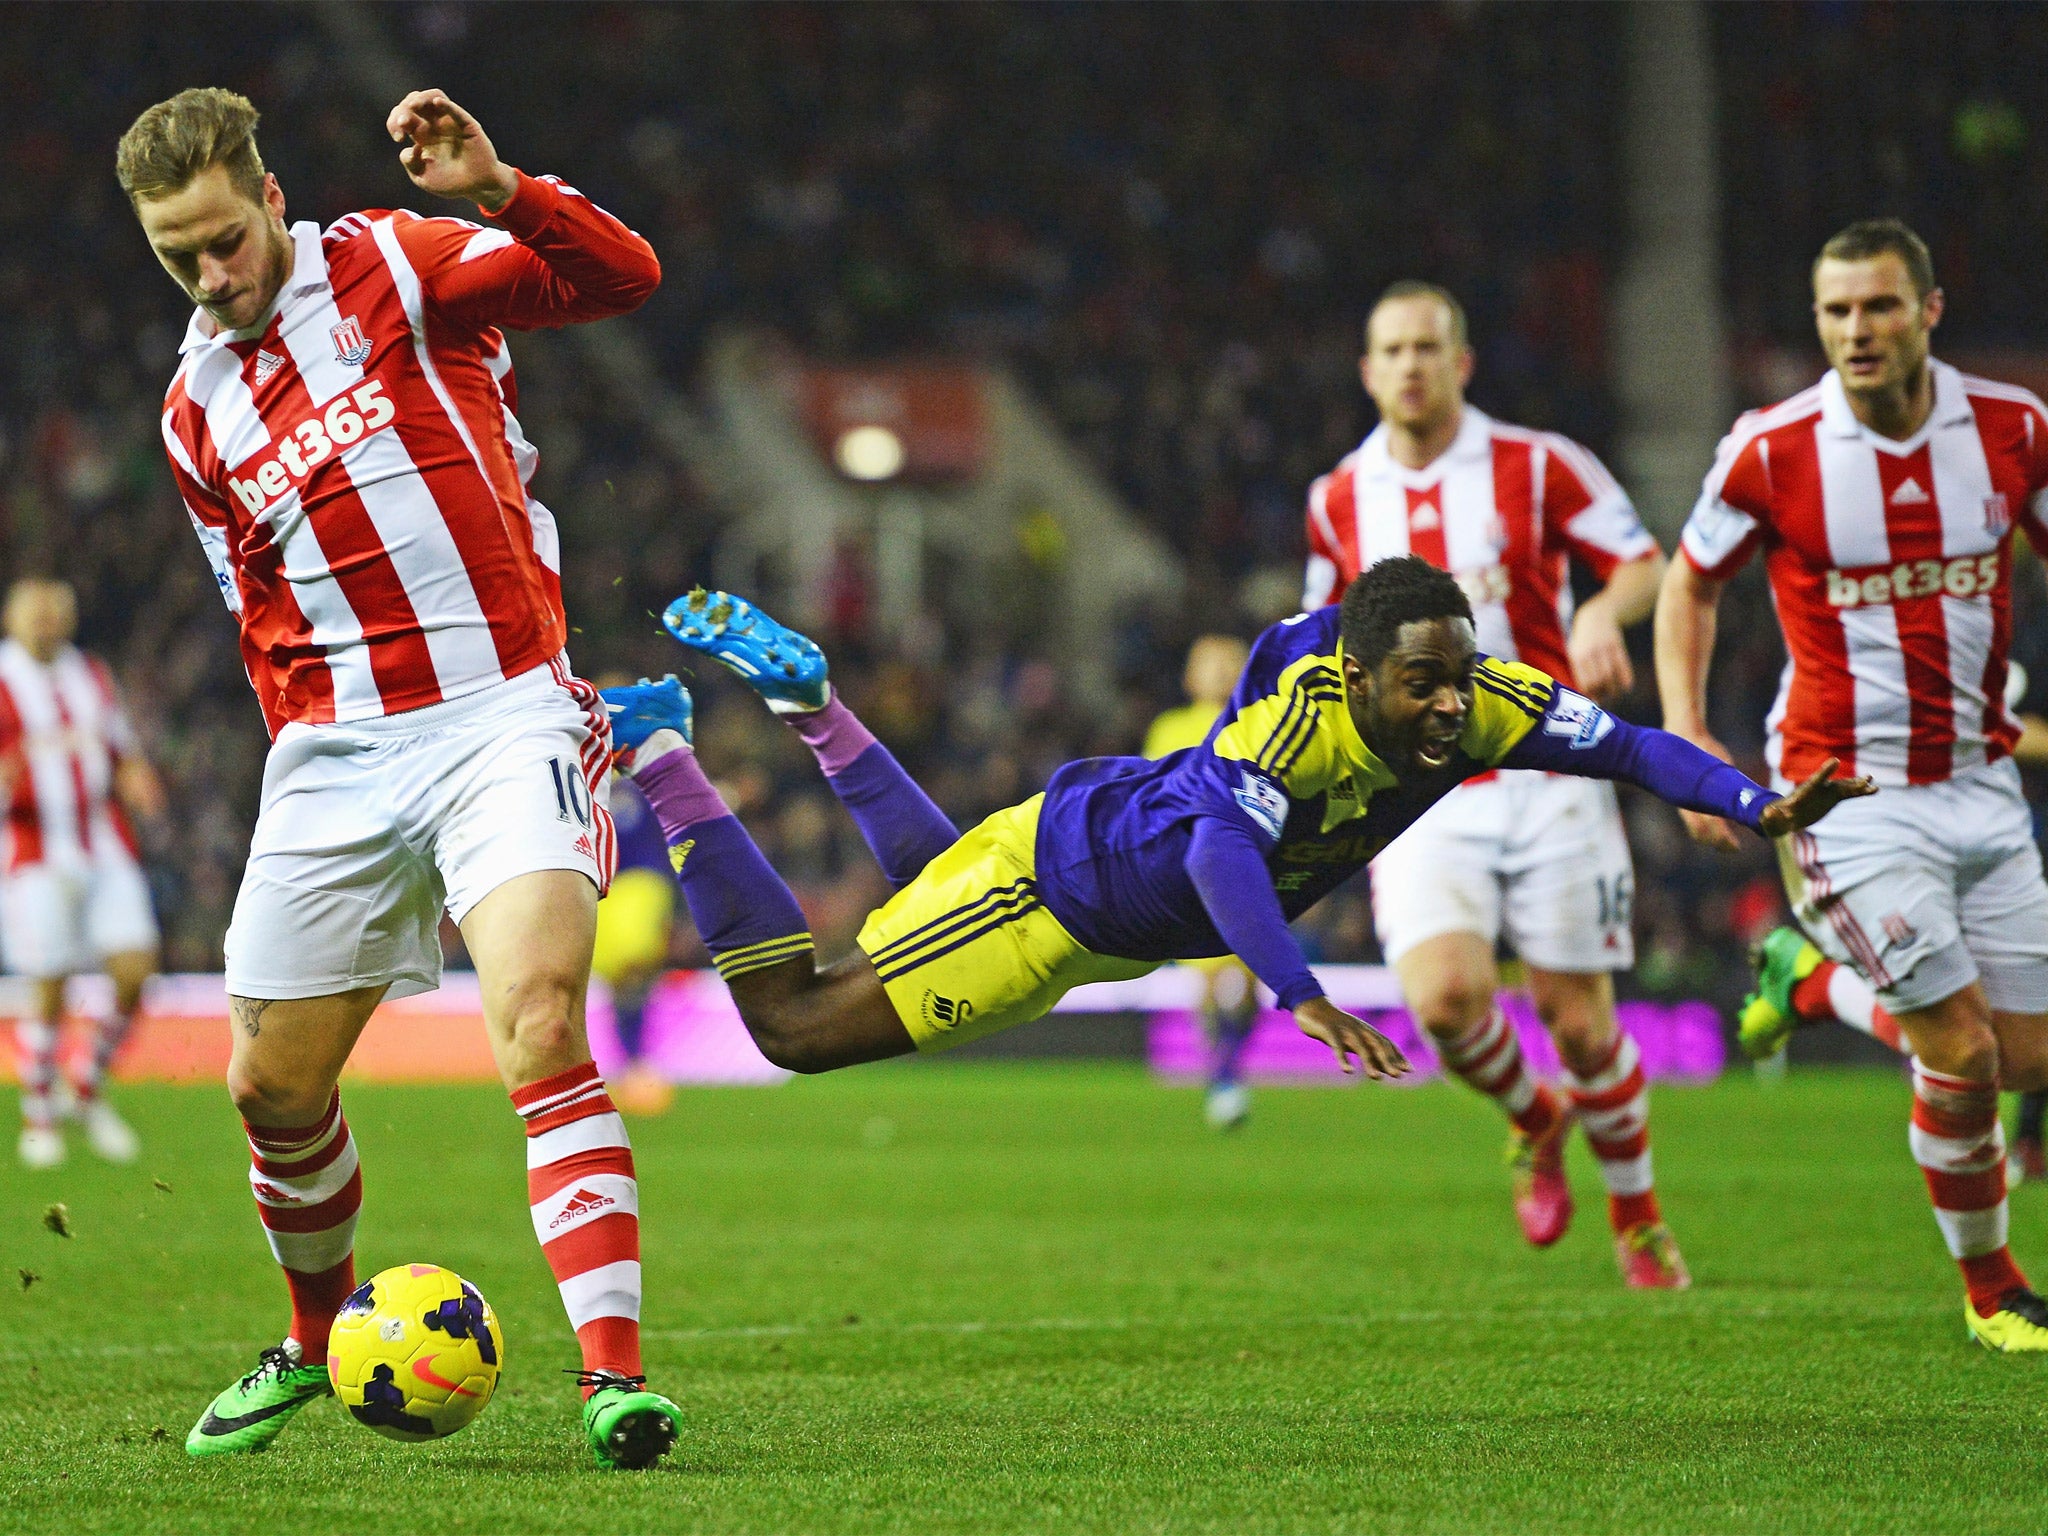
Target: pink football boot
1649	1258
1543	1200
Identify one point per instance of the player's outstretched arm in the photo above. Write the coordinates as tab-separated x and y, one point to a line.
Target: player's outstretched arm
1229	874
1576	736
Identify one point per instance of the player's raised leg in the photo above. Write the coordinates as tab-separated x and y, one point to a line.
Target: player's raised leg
283	1068
1449	980
1797	985
901	825
803	1017
1611	1099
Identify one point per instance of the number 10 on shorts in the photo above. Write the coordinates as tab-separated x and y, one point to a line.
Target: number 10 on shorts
572	796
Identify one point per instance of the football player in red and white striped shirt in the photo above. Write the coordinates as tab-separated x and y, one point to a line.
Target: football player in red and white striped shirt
341	426
1541	855
72	893
1884	500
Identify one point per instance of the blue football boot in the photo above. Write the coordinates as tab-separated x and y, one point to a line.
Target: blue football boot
640	715
787	670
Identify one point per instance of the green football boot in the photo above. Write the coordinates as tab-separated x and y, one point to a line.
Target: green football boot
1783	958
627	1426
252	1412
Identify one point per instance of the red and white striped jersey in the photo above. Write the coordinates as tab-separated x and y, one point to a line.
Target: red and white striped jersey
353	465
62	729
1502	509
1890	570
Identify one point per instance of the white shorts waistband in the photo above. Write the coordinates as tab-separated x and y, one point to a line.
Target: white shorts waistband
550	674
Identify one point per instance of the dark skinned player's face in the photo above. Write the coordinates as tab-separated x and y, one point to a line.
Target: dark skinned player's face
1412	708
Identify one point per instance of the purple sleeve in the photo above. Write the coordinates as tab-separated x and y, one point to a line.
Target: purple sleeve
1577	736
1229	874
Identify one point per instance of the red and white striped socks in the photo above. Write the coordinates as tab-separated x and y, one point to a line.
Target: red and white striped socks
1835	991
1960	1146
1489	1057
35	1056
309	1187
586	1211
108	1035
1613	1104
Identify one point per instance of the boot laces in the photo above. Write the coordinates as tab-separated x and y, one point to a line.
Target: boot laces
602	1379
274	1361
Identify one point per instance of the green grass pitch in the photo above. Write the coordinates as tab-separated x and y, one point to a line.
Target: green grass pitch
1045	1298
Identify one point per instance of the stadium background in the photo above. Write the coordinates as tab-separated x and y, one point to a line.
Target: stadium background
1165	233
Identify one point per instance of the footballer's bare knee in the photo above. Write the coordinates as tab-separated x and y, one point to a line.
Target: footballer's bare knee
2022	1050
791	1040
1451	1004
808	1020
1577	1008
536	1027
264	1094
1955	1036
1449	981
289	1052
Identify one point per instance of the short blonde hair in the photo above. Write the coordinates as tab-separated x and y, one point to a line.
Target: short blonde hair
172	142
1415	288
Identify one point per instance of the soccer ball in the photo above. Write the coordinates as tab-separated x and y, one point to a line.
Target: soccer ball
415	1352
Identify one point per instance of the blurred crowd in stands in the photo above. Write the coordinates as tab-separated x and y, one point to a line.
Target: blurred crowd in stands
1168	222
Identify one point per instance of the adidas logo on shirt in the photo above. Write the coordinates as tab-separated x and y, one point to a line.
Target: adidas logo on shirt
581	1204
267	364
1909	494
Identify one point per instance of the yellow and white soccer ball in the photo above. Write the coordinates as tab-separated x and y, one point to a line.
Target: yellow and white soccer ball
415	1352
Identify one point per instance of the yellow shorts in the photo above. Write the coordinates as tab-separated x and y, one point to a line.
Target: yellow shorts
967	948
633	923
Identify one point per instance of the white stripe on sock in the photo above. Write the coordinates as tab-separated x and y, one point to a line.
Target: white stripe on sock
311	1252
1969	1233
610	1290
309	1190
586	1135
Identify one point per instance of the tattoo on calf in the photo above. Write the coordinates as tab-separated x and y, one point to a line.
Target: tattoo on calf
248	1013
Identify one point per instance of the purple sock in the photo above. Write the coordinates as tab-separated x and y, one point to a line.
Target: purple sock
902	827
743	912
834	733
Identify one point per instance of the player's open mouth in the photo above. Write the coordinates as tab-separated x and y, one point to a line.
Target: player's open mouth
1435	751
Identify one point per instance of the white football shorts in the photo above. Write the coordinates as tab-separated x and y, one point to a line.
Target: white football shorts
368	830
64	919
1540	856
1927	888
